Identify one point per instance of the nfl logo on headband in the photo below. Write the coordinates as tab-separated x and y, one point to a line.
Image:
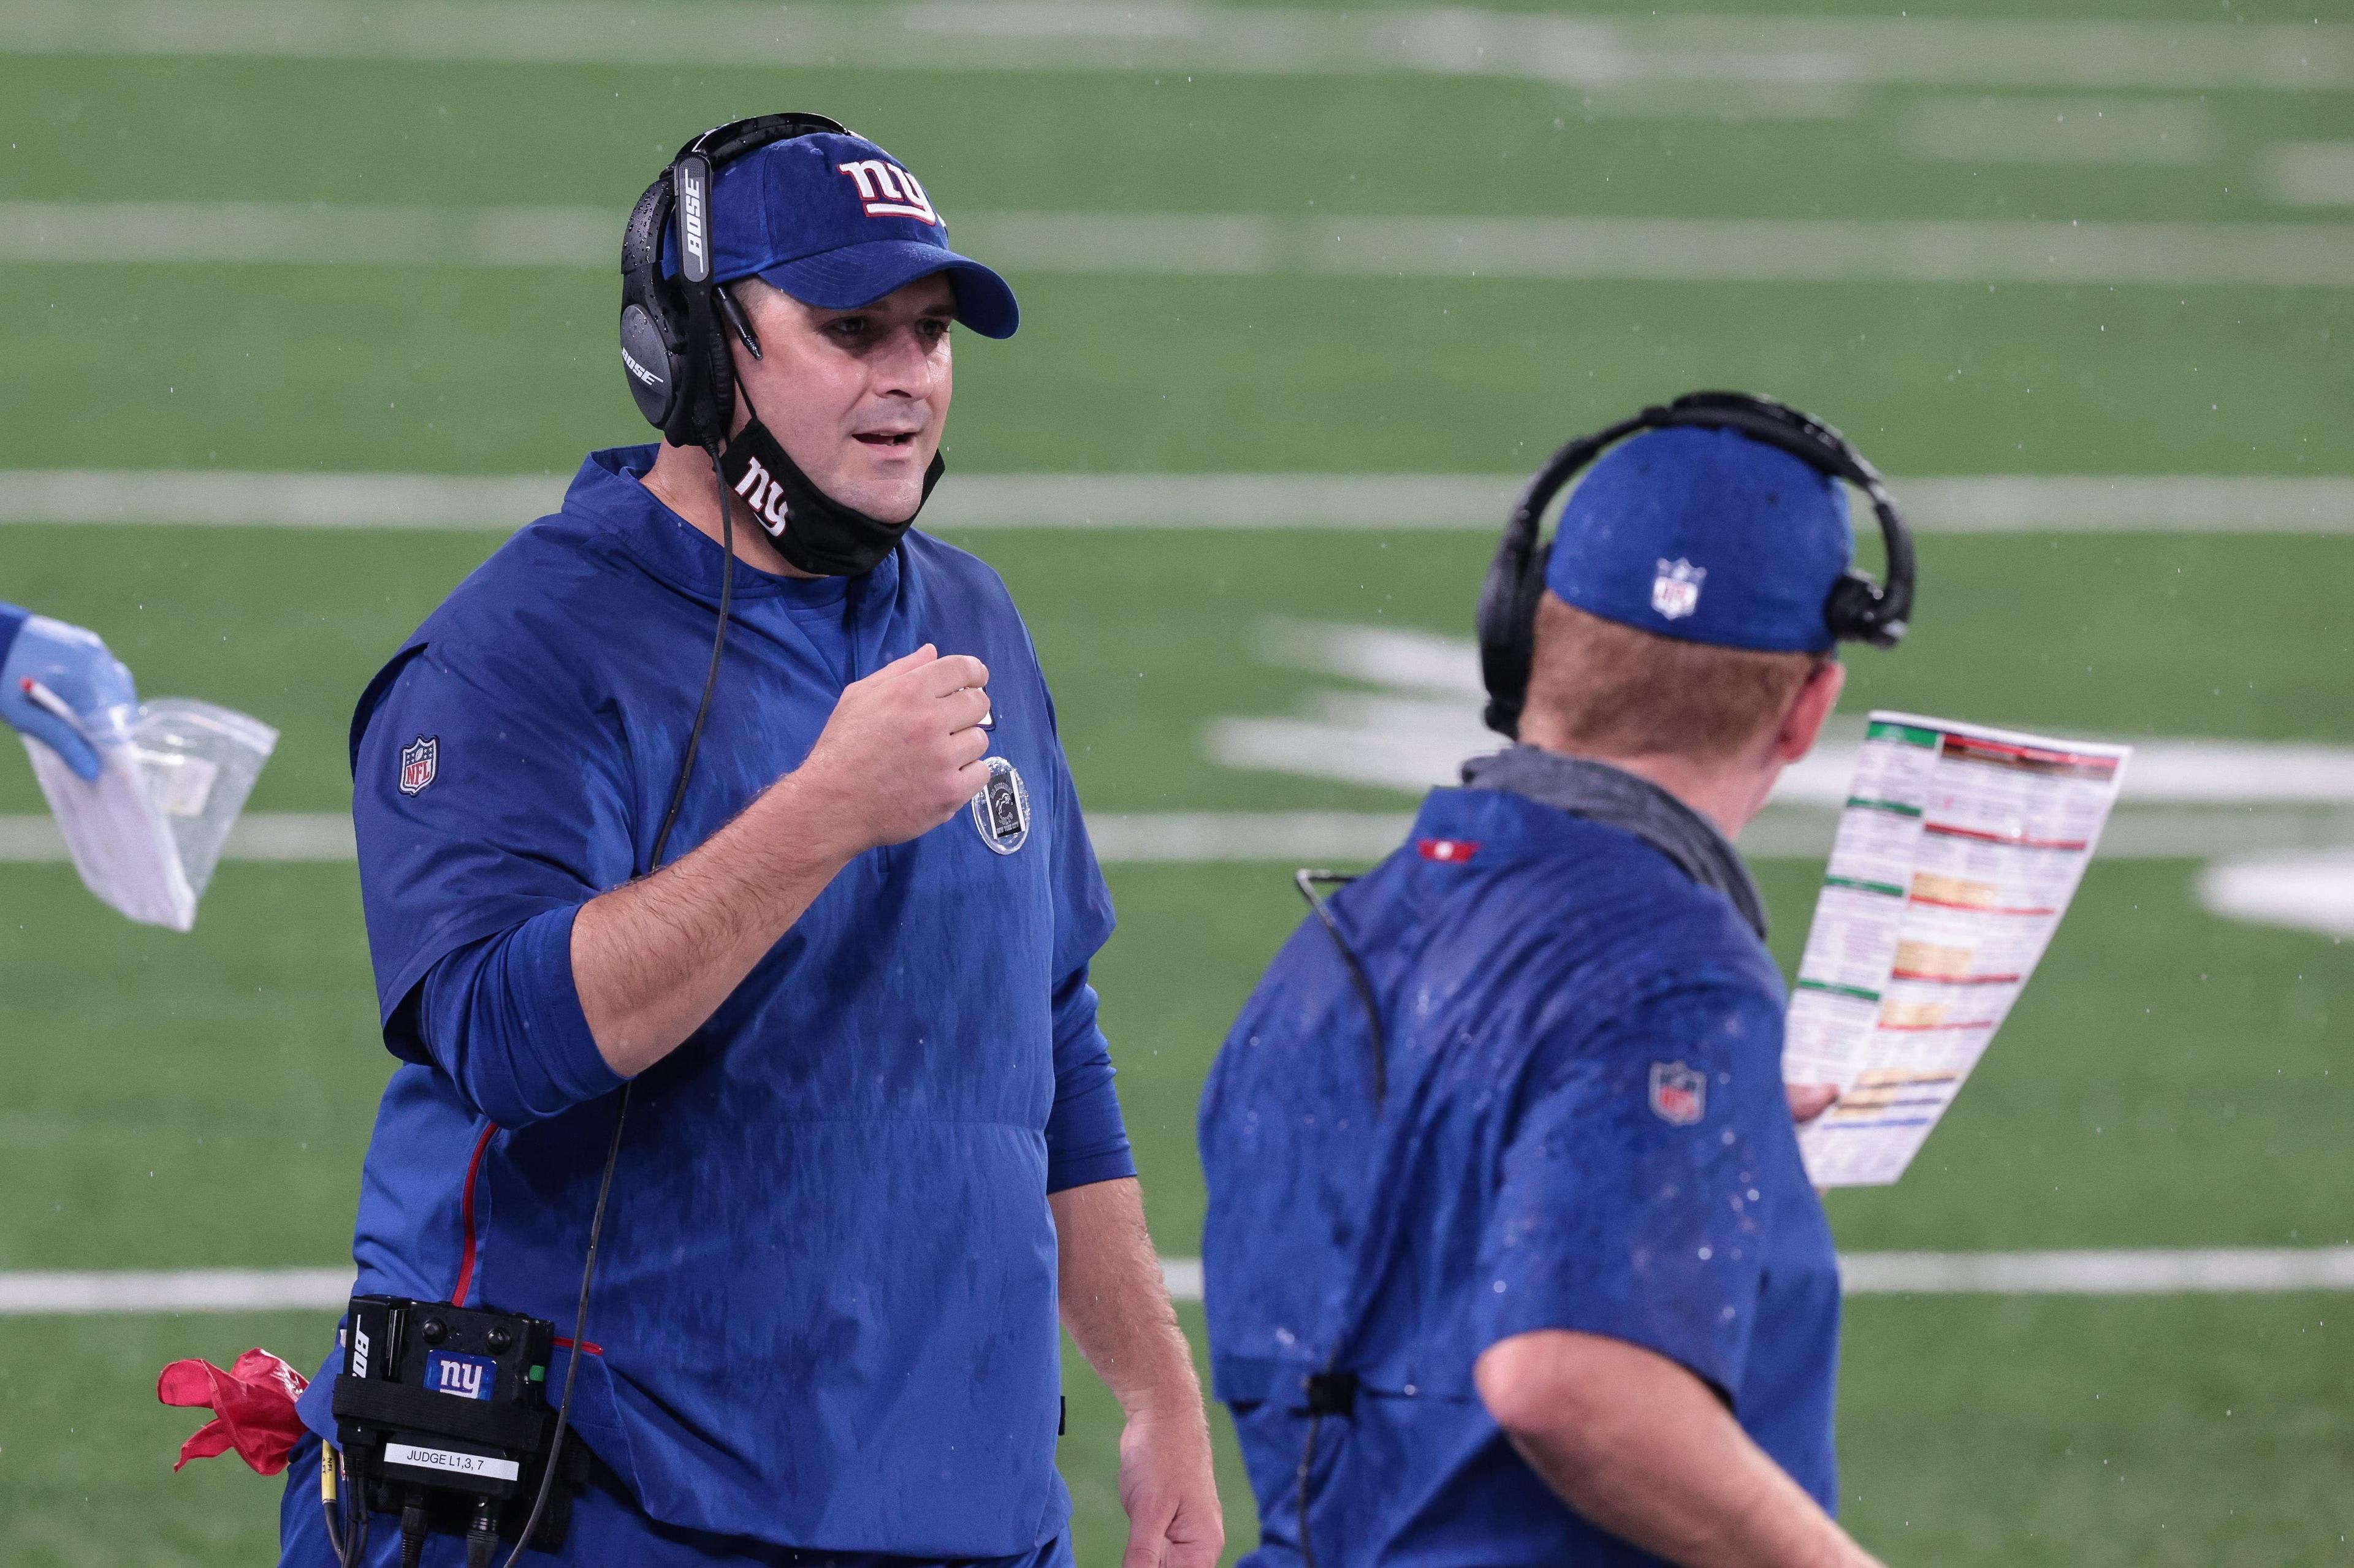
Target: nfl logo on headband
1675	592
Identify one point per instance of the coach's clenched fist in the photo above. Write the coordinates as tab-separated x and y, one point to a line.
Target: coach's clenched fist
902	753
899	755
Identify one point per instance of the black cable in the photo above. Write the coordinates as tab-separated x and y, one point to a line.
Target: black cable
412	1528
1306	879
718	645
482	1534
1306	1459
331	1502
347	1527
621	1118
356	1518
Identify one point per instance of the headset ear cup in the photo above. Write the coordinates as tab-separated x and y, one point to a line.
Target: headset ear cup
1507	626
651	368
649	326
1853	611
1524	621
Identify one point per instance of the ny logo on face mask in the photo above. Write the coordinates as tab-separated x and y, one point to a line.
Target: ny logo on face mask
889	191
764	494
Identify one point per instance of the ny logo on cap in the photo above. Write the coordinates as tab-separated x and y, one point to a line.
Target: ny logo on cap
889	191
1675	592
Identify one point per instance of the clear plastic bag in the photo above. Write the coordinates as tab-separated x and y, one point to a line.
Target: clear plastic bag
200	761
174	774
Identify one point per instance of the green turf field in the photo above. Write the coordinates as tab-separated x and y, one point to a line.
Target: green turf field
2172	1080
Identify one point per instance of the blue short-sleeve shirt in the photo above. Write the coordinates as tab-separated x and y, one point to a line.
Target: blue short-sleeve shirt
1584	1129
826	1310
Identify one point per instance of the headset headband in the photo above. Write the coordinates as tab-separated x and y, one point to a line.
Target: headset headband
1858	610
673	346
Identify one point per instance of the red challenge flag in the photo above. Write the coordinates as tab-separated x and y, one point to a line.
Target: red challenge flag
252	1405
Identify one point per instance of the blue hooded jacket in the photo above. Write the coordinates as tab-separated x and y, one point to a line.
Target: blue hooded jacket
825	1308
1584	1129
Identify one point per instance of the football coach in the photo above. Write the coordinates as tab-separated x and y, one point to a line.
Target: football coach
1511	1256
753	887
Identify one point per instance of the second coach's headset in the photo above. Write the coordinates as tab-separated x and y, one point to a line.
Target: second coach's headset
1858	610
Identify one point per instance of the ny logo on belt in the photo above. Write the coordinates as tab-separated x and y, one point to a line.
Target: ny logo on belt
889	191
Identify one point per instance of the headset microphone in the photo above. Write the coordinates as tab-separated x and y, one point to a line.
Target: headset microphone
1858	610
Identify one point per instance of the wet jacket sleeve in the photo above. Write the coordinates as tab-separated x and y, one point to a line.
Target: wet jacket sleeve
502	1017
489	803
1086	1141
1630	1199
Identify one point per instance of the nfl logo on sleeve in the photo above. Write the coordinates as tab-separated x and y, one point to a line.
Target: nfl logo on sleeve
1679	1095
1675	592
419	763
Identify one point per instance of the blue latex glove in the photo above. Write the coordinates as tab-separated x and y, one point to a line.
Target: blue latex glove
74	665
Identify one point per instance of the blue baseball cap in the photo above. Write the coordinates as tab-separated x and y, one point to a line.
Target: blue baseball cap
1707	535
837	222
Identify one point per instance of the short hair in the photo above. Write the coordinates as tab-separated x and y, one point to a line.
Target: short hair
1610	690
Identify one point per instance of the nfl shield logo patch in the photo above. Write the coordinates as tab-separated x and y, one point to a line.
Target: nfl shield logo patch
1675	592
419	763
1679	1095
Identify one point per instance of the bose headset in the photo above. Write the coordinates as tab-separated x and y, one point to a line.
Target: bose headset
1858	610
673	345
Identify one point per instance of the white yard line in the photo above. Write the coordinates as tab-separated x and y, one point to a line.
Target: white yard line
2054	503
82	1294
1029	35
1299	838
1548	249
298	837
1982	130
2306	890
2310	174
203	231
1671	250
2106	1272
2154	1272
1413	729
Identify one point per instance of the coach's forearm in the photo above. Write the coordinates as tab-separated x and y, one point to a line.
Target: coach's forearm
1115	1303
653	960
1643	1448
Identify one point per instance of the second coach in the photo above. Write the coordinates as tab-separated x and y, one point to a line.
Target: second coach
797	925
1511	1256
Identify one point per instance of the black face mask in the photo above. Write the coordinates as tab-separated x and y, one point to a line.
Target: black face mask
811	529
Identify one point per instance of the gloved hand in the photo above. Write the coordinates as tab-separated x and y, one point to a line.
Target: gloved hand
76	665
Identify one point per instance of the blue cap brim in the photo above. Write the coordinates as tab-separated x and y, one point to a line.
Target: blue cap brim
859	275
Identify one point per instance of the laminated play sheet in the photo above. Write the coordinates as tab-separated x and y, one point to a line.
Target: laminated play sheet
1957	853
